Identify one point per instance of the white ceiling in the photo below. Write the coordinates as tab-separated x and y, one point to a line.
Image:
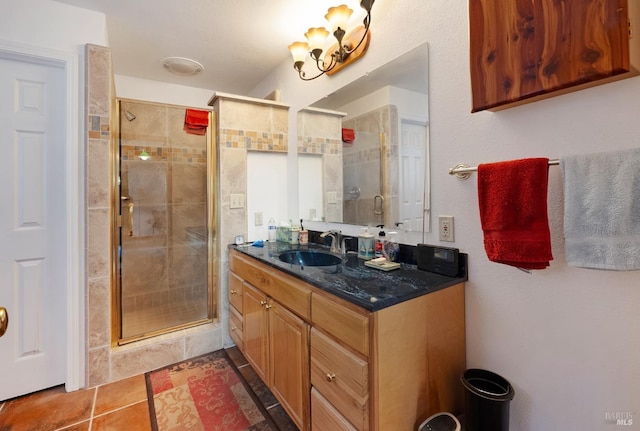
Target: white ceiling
238	42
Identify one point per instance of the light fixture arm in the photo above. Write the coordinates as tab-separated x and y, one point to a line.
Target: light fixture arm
342	51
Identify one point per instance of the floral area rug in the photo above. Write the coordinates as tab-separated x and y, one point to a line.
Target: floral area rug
206	393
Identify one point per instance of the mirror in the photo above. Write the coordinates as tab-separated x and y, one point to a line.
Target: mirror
363	150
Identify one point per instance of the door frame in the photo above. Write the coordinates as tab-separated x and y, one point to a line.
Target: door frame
74	190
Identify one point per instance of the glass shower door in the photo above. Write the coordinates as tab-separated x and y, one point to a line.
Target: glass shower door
163	251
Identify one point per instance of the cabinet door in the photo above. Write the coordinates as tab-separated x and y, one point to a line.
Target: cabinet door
289	378
255	330
521	50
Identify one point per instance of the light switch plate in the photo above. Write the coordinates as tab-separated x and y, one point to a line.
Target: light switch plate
332	197
236	200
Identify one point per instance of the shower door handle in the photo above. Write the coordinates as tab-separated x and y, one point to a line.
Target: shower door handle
378	205
130	204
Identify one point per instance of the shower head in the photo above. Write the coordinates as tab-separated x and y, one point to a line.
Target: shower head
129	115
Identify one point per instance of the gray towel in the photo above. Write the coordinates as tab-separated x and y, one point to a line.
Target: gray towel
602	210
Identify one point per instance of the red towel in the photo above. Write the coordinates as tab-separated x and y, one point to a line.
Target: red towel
513	211
348	135
196	121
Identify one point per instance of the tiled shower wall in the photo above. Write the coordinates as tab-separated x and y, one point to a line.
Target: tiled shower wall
106	363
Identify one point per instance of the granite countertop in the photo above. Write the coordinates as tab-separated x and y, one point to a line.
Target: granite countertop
366	287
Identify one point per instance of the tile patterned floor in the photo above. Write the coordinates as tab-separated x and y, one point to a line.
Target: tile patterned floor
115	406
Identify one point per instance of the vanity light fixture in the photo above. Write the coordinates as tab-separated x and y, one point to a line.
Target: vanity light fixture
347	49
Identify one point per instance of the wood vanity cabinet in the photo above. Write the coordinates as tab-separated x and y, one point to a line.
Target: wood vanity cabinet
275	340
521	51
336	366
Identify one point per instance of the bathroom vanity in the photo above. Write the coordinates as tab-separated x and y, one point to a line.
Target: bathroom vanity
347	347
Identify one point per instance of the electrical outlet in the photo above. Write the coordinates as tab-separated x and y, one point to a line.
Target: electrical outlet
236	201
446	228
257	218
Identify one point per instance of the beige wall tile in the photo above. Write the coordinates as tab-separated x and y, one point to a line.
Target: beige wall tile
98	173
99	303
149	129
176	135
99	366
144	270
188	182
98	247
208	339
130	361
99	88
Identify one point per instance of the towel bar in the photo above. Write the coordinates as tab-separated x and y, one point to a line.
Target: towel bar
463	171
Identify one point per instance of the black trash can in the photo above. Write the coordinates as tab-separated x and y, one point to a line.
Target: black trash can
487	398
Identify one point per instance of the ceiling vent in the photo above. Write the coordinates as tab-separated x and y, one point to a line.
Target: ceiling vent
182	66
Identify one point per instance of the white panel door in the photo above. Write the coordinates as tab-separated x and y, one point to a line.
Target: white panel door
32	225
412	175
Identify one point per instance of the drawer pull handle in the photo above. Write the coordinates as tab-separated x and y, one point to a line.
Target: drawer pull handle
268	306
233	291
233	328
263	303
331	377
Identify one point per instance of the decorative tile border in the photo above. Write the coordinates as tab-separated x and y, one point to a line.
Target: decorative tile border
163	154
99	127
366	155
252	140
315	145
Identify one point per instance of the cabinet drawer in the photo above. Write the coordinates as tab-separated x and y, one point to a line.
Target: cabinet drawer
346	325
235	327
287	290
235	290
341	377
324	417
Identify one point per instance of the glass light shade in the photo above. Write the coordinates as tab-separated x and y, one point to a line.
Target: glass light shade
299	51
144	155
316	36
338	17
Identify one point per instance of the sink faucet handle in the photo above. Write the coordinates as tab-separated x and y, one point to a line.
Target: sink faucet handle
343	244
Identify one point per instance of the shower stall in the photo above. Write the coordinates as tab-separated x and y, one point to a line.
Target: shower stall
164	226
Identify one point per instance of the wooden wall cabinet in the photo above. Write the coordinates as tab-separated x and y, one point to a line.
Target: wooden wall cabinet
336	366
527	50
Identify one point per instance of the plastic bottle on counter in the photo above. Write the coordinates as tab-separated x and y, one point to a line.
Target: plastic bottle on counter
379	242
365	244
391	247
271	229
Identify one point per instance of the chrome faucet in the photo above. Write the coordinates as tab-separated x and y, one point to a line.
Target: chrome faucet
337	243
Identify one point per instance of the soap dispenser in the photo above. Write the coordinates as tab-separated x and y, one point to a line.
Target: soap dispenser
365	244
379	243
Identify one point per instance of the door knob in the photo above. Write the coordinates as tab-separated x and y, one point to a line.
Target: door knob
4	320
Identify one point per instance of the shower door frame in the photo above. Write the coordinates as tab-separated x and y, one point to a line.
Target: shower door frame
116	232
